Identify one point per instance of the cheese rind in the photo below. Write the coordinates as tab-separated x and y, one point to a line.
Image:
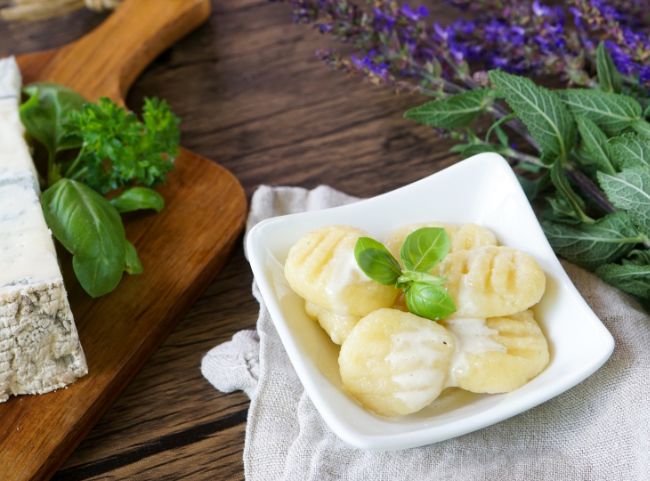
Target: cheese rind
39	344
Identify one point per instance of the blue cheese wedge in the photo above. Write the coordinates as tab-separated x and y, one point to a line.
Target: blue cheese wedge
39	345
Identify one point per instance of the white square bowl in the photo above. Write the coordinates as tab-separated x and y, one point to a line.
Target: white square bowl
483	190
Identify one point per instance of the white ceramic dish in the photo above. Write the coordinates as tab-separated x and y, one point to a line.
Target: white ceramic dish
482	190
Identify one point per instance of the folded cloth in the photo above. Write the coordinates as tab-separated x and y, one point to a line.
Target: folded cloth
599	430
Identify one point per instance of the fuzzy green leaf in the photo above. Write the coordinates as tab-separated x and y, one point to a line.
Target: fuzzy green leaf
630	150
452	112
609	77
595	145
611	112
541	110
138	198
630	190
592	245
564	189
630	278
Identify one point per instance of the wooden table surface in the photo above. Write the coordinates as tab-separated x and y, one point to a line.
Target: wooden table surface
254	98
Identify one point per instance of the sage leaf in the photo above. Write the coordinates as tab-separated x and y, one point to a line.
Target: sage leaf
424	248
592	245
541	110
138	198
452	112
595	145
630	150
45	113
90	228
376	261
633	279
429	301
564	189
629	190
611	112
609	78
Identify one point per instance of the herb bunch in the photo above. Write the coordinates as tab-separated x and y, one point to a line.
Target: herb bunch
94	150
425	293
591	164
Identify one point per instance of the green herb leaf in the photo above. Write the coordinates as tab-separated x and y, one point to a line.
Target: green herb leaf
630	190
595	145
642	127
533	187
133	264
429	301
118	150
609	77
564	189
45	112
630	150
473	148
547	119
560	210
633	279
138	198
592	245
452	112
611	112
424	248
376	261
91	229
638	257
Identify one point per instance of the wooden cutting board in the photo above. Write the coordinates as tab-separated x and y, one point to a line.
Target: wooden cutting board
182	248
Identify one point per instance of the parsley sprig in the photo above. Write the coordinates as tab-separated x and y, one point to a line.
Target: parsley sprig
425	293
101	161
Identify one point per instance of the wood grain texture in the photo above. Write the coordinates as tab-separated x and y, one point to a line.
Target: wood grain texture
253	96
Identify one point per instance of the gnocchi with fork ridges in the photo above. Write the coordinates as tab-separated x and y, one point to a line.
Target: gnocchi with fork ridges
337	326
461	236
394	362
492	281
497	355
322	269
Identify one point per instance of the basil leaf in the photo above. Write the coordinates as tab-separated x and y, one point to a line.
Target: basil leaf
44	115
633	279
138	198
91	229
609	78
452	112
424	248
595	145
429	301
132	262
592	245
541	110
376	261
611	112
630	190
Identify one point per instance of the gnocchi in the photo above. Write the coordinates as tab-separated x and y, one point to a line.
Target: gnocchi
322	269
462	237
337	326
499	354
394	362
492	281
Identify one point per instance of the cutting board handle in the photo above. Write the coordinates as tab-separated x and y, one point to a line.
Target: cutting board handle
107	60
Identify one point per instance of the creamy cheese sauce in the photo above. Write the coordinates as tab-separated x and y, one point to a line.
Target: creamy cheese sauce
473	336
345	271
419	384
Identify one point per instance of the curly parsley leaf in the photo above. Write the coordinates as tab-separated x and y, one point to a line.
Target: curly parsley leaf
118	149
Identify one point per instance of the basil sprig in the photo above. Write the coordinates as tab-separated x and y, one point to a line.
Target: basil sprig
425	293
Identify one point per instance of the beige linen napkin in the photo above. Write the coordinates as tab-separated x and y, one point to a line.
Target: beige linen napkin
597	431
